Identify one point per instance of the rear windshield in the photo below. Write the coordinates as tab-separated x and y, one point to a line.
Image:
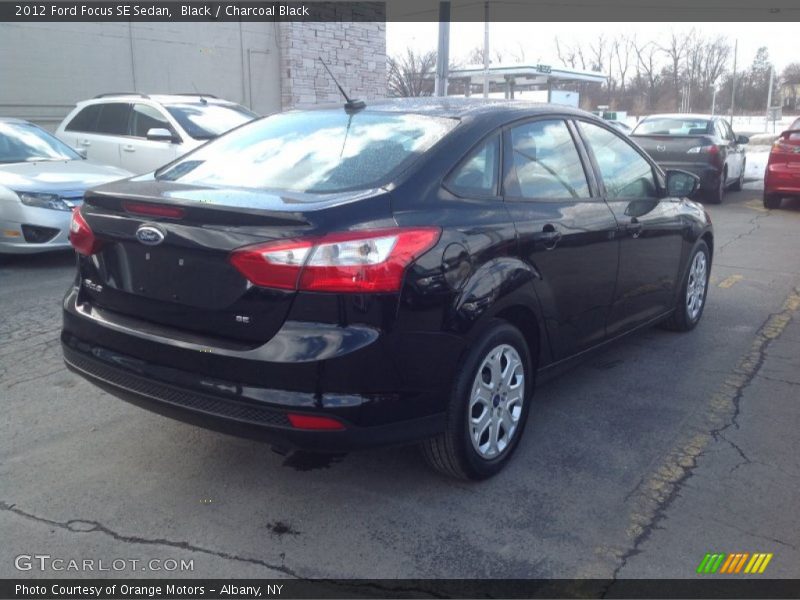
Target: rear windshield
673	126
204	121
314	151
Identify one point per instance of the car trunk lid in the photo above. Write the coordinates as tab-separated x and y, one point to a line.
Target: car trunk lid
676	149
165	254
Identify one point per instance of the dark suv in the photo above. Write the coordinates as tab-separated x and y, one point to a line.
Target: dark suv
333	279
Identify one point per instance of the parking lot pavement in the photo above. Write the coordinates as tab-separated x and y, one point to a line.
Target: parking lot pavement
635	463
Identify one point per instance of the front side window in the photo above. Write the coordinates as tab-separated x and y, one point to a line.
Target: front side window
86	119
625	172
204	121
317	151
477	176
145	117
545	162
113	119
25	142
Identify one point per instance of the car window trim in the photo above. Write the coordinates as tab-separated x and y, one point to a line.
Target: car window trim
509	172
497	133
658	174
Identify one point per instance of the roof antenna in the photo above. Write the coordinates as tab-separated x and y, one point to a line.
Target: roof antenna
349	105
202	100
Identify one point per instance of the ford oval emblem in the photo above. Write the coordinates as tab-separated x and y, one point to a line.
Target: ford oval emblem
661	148
149	235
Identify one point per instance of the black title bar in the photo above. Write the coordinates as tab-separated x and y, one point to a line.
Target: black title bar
301	589
174	11
533	11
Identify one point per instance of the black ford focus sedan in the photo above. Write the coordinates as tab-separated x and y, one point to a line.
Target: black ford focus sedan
336	278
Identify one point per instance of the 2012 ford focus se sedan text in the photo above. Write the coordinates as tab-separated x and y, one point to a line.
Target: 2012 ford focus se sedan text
337	278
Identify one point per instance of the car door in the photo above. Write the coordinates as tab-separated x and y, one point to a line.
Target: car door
736	151
651	228
102	145
76	130
140	155
564	230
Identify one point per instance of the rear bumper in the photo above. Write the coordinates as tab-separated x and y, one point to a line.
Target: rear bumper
780	179
235	413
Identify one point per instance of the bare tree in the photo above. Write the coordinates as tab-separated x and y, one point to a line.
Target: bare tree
571	56
676	49
621	48
412	74
648	66
475	56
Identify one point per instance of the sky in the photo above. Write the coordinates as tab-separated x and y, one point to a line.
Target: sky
781	39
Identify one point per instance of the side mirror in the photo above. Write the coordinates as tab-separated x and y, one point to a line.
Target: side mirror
681	183
742	139
158	134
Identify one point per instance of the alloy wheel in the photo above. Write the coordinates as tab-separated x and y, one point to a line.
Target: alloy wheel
696	286
496	401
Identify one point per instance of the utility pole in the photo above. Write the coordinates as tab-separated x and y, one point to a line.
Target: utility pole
769	98
733	81
713	100
486	49
443	55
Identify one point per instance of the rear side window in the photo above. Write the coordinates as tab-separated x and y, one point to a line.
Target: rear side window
545	162
145	117
478	174
85	120
113	118
316	151
625	172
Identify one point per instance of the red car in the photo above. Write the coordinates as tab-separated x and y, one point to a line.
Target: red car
782	177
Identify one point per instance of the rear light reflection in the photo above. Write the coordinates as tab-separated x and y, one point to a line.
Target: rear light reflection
356	261
314	422
81	235
154	210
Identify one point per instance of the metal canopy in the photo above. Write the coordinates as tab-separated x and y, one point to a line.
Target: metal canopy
524	74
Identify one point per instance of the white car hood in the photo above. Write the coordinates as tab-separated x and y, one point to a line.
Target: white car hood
57	176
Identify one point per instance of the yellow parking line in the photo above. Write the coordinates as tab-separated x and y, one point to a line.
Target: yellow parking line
756	205
730	281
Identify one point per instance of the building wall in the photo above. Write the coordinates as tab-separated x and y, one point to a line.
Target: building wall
46	67
355	53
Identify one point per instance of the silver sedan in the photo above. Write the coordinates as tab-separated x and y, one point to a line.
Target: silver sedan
41	181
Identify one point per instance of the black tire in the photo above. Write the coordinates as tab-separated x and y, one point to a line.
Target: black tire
452	452
716	195
739	183
681	319
772	201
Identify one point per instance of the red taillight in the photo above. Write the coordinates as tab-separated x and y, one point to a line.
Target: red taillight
314	422
355	261
81	235
154	210
787	143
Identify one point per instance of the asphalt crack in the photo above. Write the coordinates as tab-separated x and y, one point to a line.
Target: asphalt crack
652	498
84	526
755	222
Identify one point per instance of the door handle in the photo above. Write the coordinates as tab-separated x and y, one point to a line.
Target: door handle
85	143
634	228
549	236
129	148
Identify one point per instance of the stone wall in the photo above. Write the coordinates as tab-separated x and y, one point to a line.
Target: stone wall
355	53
